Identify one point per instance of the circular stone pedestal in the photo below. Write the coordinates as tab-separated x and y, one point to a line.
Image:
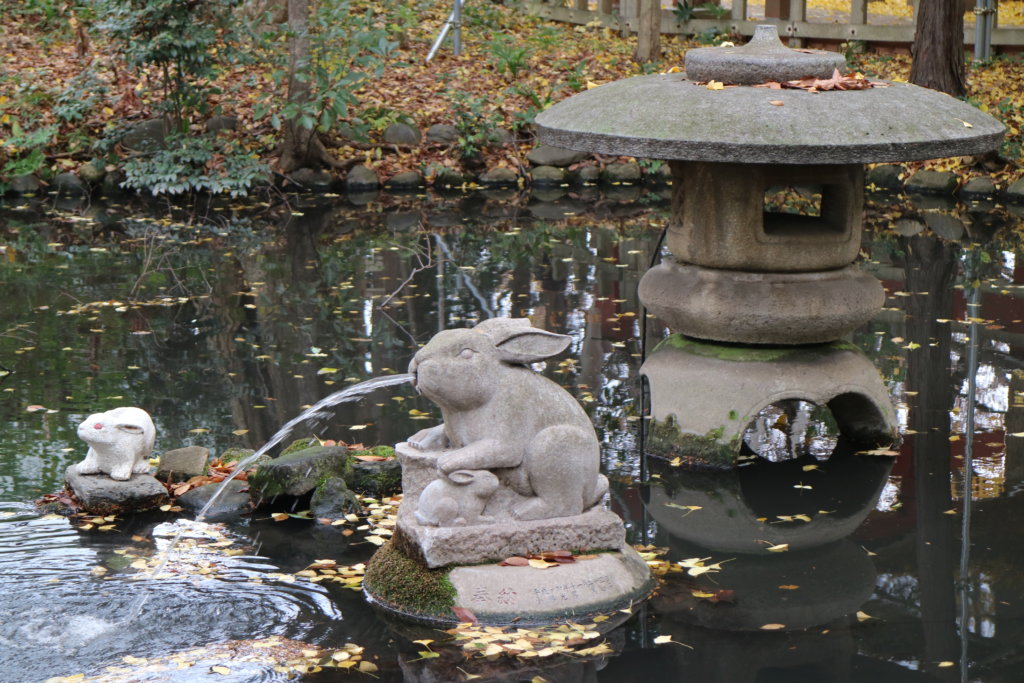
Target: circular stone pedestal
760	308
497	595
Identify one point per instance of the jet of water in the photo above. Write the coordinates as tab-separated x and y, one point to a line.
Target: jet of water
344	396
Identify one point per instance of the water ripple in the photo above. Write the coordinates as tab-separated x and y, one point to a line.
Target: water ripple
76	602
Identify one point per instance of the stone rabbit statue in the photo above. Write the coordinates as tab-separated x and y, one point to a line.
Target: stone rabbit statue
120	441
458	499
501	416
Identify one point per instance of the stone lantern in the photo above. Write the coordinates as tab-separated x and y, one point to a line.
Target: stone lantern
738	274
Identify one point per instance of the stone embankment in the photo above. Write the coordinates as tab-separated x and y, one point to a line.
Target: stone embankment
544	167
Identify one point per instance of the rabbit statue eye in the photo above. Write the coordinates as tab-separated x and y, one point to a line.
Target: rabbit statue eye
466	353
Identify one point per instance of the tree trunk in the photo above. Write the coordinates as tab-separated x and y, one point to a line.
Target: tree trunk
648	32
938	50
301	146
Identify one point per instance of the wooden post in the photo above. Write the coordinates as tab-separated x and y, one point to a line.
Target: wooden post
605	6
798	10
776	9
628	11
859	12
581	4
739	10
648	32
797	13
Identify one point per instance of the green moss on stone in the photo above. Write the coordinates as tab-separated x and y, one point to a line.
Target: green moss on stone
299	445
666	439
746	354
299	472
379	451
406	584
235	454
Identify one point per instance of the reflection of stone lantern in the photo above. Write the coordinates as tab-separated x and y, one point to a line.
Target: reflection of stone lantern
738	273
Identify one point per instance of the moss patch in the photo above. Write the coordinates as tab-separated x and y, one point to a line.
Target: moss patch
408	585
379	451
299	472
747	354
667	440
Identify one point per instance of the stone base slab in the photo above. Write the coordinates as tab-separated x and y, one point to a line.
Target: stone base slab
101	495
525	596
761	308
496	594
439	546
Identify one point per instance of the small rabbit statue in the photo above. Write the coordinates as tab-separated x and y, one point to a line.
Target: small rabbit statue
120	441
501	416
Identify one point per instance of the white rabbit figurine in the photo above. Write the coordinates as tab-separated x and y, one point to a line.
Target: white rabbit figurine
120	441
501	416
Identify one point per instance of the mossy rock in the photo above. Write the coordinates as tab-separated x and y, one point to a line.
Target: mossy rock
235	454
407	585
333	499
299	445
379	478
298	473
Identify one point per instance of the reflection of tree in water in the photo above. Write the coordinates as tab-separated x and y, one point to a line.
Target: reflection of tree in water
792	429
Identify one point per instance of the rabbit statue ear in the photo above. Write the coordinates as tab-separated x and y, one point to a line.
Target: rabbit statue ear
499	328
530	345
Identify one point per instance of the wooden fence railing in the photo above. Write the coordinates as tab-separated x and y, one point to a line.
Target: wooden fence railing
622	15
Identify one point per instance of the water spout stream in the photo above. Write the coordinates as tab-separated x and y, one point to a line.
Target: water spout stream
344	396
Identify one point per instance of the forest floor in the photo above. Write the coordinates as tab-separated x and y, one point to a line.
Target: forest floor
512	66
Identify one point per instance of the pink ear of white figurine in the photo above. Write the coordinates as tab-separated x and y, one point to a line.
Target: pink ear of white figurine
120	441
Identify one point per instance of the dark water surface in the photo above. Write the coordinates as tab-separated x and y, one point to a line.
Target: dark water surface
226	327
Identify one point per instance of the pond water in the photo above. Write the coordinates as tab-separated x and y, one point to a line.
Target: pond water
226	326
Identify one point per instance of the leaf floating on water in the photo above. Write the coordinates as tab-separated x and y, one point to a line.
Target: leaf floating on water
773	627
688	508
864	616
279	516
662	639
808	468
945	664
780	548
789	587
886	451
